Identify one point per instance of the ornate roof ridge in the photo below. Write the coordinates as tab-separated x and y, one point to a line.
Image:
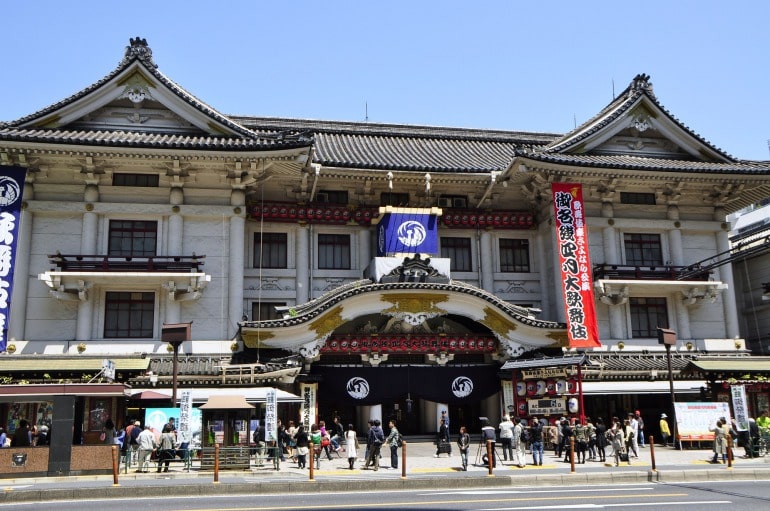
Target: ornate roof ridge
640	87
138	51
401	130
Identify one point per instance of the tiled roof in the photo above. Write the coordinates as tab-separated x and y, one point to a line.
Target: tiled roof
405	147
653	164
639	87
138	53
124	139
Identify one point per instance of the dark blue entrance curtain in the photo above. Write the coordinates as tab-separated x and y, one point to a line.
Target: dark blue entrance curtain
372	385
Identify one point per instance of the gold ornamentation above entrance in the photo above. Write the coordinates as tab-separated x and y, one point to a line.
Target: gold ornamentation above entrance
251	339
327	323
413	308
496	322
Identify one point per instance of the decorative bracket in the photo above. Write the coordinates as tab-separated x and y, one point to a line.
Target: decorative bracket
613	296
700	294
442	358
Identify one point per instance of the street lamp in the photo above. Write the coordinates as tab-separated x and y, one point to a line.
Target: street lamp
668	338
175	334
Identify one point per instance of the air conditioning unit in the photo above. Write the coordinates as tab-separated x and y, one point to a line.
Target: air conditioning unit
322	197
445	202
459	202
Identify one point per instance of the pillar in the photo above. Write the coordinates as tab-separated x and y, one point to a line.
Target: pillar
487	263
728	295
235	272
88	246
303	261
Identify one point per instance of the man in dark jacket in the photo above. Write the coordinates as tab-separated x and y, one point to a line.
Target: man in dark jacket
536	439
375	439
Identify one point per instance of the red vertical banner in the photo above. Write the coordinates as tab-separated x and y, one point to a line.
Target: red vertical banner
575	265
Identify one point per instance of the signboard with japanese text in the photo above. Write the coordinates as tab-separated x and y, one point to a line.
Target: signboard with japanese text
575	265
184	431
695	420
547	406
271	416
11	190
740	407
309	394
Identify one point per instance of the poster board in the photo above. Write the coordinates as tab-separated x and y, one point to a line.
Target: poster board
695	419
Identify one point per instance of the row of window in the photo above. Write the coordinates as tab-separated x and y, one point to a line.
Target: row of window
131	315
139	238
334	252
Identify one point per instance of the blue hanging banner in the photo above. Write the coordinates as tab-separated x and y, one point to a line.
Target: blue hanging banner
11	190
407	231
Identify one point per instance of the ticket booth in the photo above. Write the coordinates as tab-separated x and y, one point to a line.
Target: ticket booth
226	424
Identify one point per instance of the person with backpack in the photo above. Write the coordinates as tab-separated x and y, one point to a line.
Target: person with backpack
393	441
581	442
376	438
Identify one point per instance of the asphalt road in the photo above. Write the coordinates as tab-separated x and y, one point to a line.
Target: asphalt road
733	495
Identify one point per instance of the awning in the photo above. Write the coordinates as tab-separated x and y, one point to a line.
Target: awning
251	394
45	392
732	365
62	363
641	387
231	402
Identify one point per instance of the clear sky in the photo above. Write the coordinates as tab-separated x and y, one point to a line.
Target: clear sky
513	65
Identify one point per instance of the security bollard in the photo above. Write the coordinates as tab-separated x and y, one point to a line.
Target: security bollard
311	452
115	466
729	451
403	460
216	463
652	452
490	457
572	454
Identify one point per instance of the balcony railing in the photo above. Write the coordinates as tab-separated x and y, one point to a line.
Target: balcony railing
665	272
104	263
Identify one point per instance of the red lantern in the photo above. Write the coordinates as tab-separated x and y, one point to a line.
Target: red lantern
550	387
531	388
522	408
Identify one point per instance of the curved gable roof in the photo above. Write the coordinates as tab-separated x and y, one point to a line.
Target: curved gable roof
637	98
138	82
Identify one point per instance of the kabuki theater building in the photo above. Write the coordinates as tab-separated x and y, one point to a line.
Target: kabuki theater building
365	270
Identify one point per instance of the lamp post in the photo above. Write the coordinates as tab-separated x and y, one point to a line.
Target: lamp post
175	334
668	338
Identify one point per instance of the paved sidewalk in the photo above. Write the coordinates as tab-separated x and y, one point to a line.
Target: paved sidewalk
424	470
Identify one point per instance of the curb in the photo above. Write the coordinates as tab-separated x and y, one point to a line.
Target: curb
370	485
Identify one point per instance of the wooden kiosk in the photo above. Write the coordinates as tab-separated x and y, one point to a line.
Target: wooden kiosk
226	424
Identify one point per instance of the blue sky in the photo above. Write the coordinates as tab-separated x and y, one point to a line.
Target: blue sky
530	66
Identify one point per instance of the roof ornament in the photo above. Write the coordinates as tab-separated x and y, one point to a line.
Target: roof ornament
641	83
138	49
